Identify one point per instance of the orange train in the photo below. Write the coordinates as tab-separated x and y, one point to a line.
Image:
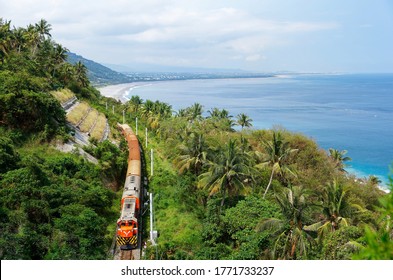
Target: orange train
127	225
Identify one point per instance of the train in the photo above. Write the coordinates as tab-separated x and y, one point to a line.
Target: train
130	208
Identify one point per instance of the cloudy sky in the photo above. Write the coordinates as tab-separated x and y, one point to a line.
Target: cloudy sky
257	35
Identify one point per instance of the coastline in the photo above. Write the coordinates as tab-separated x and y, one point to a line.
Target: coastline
120	91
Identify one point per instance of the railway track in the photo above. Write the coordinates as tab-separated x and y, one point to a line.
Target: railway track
130	254
130	225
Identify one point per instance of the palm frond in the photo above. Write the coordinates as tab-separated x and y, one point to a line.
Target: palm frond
272	224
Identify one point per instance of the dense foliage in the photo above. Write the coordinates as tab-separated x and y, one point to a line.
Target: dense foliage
53	206
31	65
219	193
256	194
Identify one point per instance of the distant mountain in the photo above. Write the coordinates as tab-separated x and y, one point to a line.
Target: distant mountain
103	75
154	68
99	74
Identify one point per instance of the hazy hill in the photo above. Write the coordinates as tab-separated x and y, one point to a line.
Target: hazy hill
99	74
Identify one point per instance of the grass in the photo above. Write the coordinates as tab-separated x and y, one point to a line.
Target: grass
176	225
89	121
78	113
99	128
63	95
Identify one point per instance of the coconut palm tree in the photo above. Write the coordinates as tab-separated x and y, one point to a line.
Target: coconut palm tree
277	151
218	114
192	154
148	107
5	38
337	209
339	158
227	172
32	38
59	56
135	103
163	109
214	113
374	180
195	111
43	28
291	241
19	39
243	120
67	72
181	113
81	74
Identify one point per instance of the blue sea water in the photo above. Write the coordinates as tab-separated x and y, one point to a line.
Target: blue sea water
345	112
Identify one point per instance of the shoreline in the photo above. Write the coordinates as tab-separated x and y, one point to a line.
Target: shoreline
122	91
119	91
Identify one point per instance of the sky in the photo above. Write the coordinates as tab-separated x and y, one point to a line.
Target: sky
254	35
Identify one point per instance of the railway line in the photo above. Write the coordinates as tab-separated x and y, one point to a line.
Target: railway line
128	244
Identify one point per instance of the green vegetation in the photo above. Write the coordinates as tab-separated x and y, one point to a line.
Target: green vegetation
99	74
263	194
52	205
63	95
78	113
219	193
99	127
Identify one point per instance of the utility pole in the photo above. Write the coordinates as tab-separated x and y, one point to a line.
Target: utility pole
136	125
151	162
124	117
151	221
113	109
146	136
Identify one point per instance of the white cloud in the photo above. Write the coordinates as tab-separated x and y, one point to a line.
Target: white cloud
118	31
255	57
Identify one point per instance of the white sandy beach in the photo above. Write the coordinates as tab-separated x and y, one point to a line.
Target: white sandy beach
119	91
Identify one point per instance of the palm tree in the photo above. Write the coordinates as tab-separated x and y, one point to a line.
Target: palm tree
243	120
59	56
5	38
135	102
192	154
227	173
292	242
181	113
148	107
214	113
153	121
81	74
218	114
19	39
339	158
163	109
374	180
195	111
43	28
32	38
336	209
67	72
277	151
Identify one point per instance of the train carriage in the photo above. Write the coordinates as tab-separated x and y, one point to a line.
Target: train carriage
127	224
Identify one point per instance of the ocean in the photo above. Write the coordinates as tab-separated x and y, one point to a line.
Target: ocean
345	112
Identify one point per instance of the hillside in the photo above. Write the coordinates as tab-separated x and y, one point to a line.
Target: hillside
218	193
48	198
99	74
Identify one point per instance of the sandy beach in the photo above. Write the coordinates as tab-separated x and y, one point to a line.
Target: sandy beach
120	91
